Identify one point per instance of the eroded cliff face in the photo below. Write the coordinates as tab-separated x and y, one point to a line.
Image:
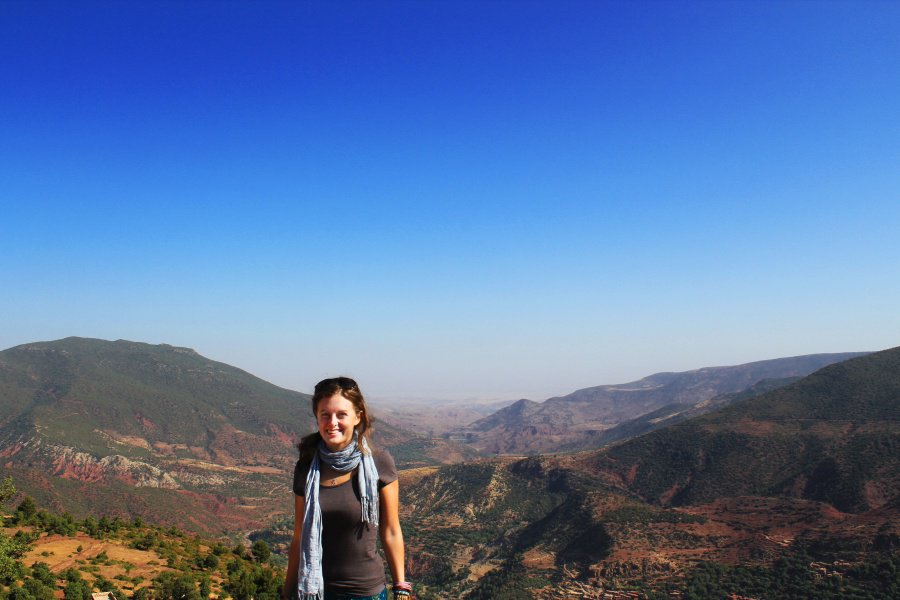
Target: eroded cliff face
71	463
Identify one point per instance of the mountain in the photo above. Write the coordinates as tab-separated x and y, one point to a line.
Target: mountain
578	420
832	437
766	496
159	431
675	413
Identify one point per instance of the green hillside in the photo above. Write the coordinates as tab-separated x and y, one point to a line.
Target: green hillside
161	393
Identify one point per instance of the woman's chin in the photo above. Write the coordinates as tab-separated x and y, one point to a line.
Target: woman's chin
336	445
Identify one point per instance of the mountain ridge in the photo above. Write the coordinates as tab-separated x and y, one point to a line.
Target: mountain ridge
841	425
577	420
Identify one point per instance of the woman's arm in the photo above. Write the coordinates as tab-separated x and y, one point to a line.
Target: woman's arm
389	530
290	581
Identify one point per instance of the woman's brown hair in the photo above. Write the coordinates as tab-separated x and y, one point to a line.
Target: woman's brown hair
327	388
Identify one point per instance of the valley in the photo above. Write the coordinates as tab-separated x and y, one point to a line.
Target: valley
741	480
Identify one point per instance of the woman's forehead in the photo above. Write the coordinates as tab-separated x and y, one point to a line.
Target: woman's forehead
336	402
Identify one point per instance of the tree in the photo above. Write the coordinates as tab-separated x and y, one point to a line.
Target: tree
146	542
261	551
90	526
19	593
211	561
39	590
268	583
205	587
239	551
41	571
240	585
143	593
7	491
105	585
12	549
77	590
172	585
27	509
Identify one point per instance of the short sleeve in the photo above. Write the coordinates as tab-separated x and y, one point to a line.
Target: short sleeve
387	470
301	469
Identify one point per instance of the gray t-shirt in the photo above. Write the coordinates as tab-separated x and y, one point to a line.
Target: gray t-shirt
350	564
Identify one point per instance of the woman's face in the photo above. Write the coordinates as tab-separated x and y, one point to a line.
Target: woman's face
337	418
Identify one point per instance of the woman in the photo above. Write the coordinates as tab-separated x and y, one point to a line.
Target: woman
344	494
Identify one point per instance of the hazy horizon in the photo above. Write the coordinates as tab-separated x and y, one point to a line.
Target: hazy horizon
453	199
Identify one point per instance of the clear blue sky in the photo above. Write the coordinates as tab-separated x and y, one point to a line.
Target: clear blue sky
488	199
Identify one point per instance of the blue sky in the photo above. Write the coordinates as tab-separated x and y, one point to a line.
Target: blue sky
449	200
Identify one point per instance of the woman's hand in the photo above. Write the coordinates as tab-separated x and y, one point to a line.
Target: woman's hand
402	590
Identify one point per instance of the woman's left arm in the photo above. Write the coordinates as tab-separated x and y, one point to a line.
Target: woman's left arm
389	530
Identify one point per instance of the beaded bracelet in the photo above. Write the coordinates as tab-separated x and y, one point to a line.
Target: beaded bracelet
402	590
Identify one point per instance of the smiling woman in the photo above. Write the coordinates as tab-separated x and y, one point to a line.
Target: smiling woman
337	516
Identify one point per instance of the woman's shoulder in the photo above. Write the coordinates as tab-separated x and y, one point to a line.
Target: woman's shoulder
302	464
384	463
382	454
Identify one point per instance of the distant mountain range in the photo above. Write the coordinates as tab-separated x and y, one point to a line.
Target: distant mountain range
131	428
809	471
584	419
